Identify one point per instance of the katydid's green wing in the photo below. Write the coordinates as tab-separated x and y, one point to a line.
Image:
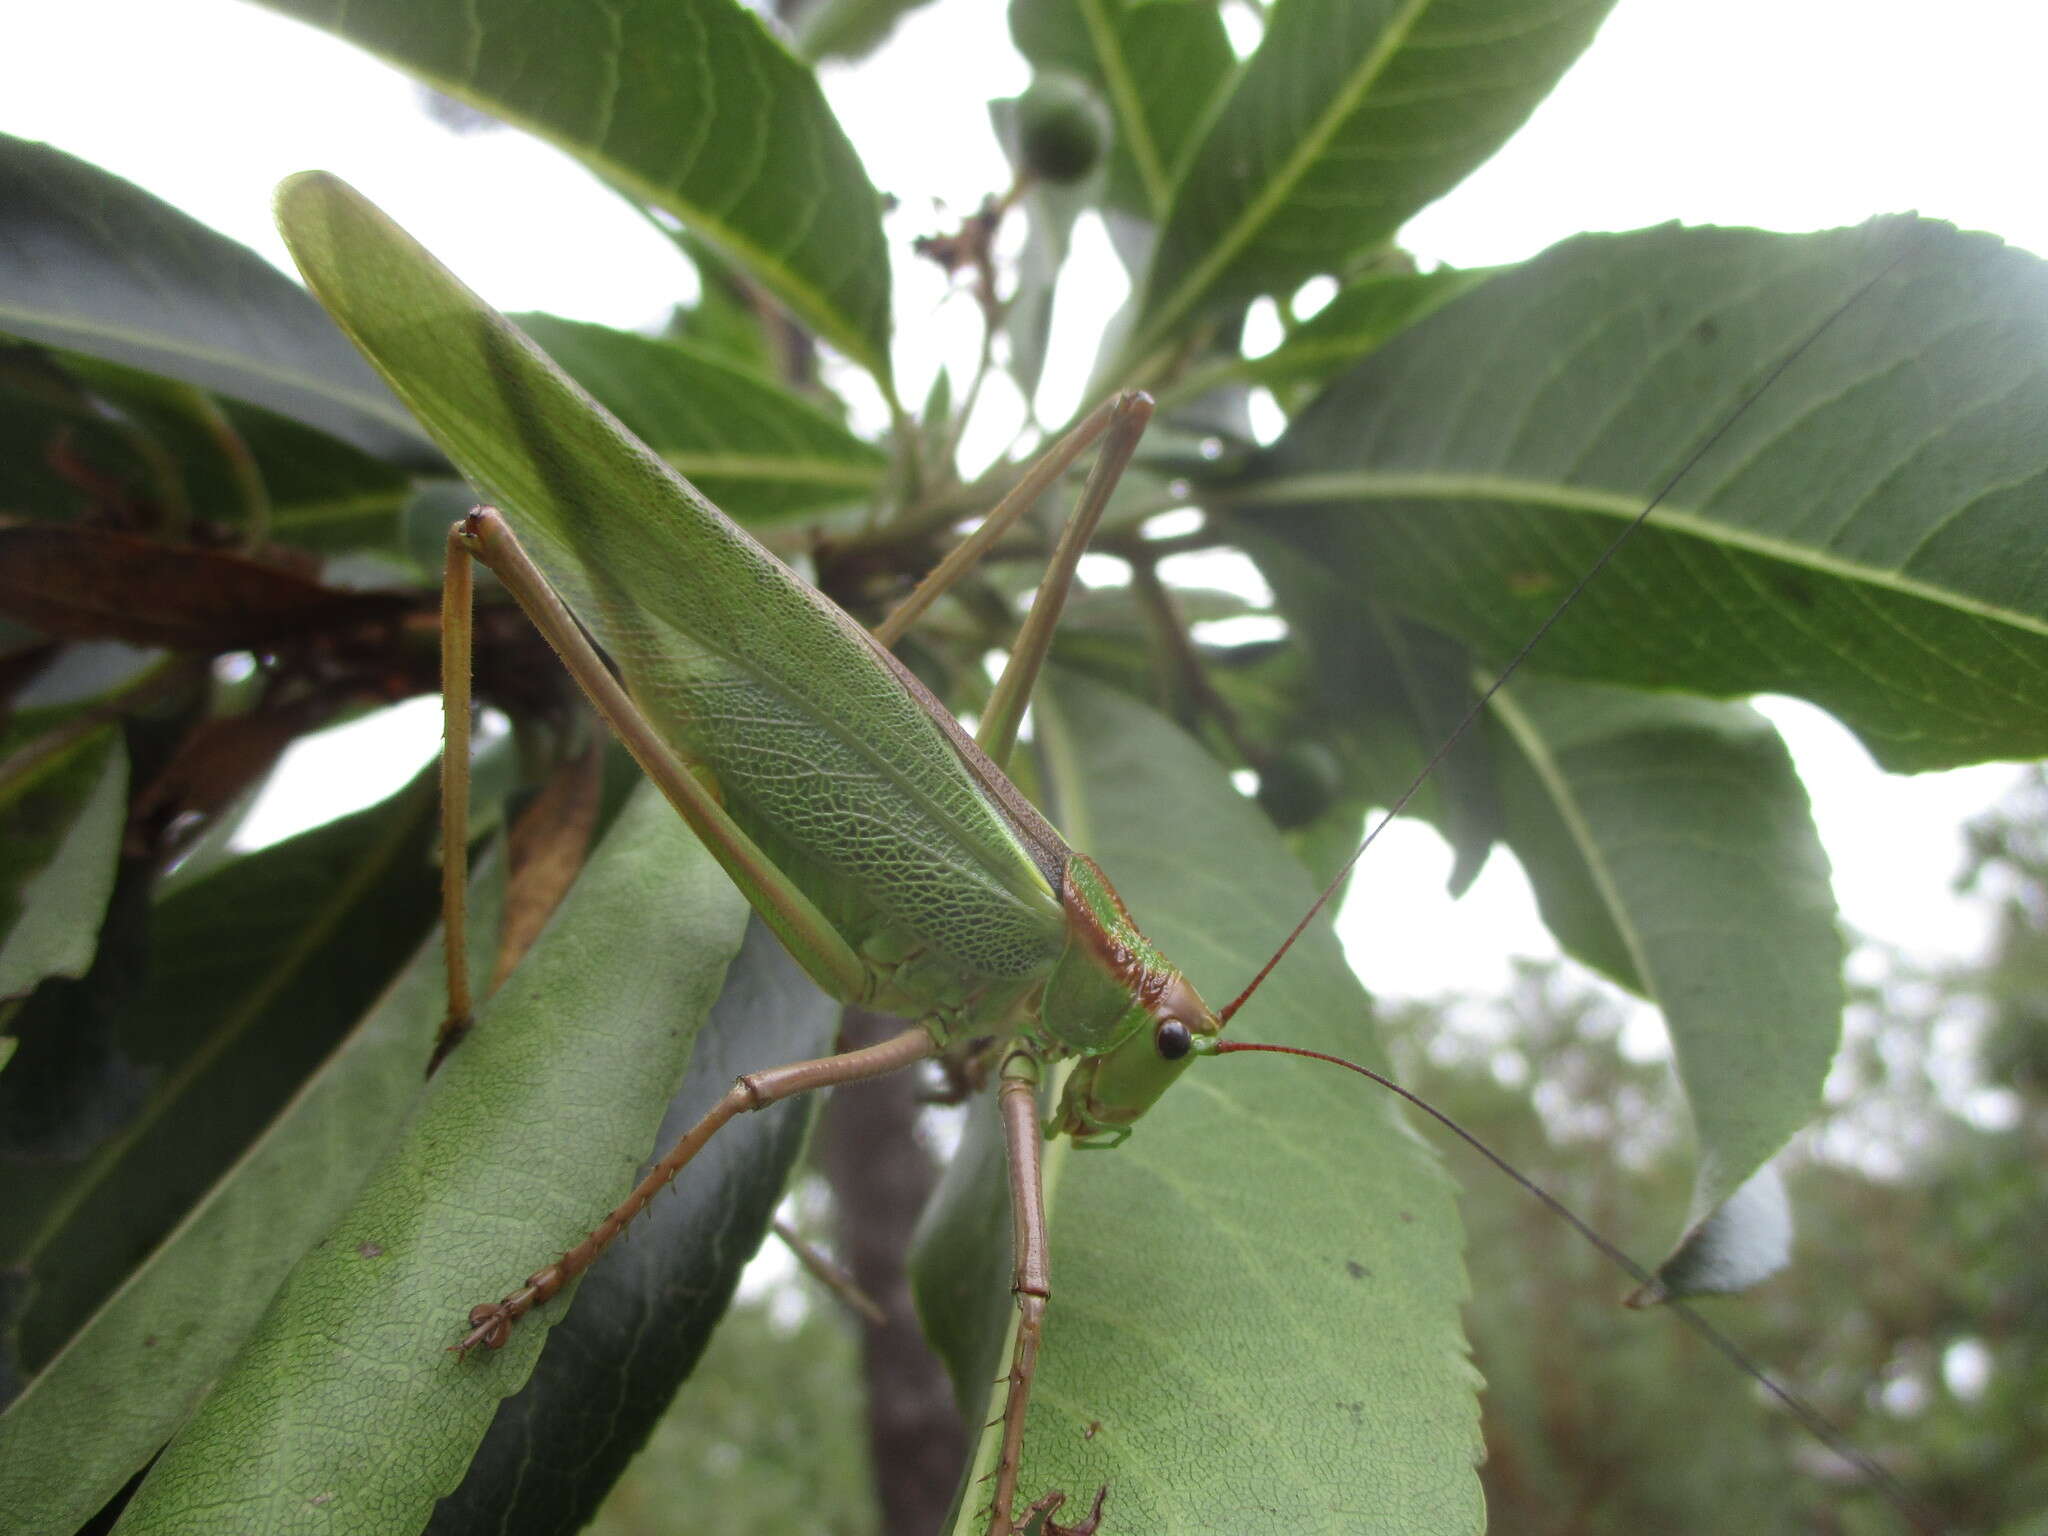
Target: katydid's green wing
820	753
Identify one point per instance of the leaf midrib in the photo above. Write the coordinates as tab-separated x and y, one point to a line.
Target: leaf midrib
855	474
817	308
1552	776
237	362
1669	517
265	989
1306	151
1130	110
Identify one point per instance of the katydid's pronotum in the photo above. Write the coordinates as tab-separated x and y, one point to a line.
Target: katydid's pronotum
887	849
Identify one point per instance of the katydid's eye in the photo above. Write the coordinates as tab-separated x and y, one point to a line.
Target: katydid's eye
1172	1039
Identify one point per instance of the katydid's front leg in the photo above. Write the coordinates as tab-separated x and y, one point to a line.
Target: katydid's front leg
1031	1267
1031	1284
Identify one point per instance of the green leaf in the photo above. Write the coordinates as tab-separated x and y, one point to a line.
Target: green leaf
741	439
253	974
689	105
1860	537
347	1411
324	494
93	264
109	1401
1671	844
848	29
1161	65
84	437
42	407
1362	317
229	463
62	811
1254	1301
728	317
645	1313
937	412
1349	118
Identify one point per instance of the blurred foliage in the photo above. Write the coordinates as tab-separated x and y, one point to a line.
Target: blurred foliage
1915	1314
768	1432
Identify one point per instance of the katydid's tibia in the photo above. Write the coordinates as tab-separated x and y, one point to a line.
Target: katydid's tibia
887	849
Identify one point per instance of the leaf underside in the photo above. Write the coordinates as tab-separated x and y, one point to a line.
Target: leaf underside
93	263
686	105
1847	540
346	1410
1254	1310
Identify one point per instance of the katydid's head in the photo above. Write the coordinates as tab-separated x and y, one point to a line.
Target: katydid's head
1165	1026
1116	1002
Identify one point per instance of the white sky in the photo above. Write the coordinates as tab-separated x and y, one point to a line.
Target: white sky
1792	114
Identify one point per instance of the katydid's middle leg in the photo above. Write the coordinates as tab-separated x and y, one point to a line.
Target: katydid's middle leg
491	1322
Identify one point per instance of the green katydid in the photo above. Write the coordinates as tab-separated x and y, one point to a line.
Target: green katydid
907	873
886	848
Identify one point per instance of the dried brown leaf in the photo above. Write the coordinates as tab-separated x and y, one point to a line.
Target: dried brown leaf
96	584
548	844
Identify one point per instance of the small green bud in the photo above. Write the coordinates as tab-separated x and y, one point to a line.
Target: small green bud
1062	128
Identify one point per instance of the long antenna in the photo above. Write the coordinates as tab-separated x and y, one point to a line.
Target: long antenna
1478	705
1811	1419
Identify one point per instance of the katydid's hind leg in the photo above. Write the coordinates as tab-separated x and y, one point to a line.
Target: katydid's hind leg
1043	474
458	586
1031	1283
1130	413
491	1323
